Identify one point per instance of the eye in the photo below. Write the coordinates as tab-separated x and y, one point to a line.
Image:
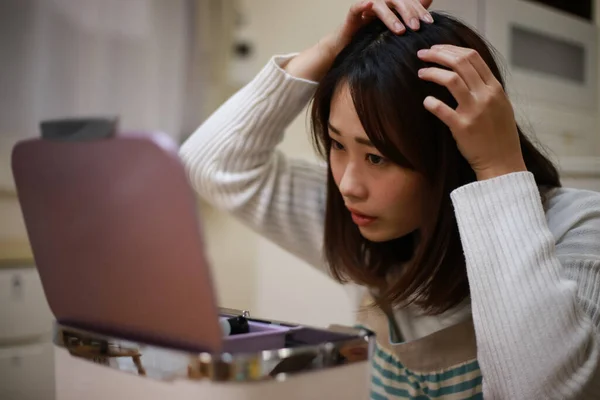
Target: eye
374	159
335	145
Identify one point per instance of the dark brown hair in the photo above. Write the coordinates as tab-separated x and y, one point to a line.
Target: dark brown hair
427	267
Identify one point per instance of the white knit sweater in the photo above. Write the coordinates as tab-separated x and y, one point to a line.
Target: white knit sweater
534	275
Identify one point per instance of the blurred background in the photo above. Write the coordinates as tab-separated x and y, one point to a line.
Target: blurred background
165	65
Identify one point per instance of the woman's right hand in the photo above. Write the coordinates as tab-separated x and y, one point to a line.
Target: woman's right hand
363	12
313	63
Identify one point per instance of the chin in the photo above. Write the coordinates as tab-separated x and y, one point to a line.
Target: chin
380	236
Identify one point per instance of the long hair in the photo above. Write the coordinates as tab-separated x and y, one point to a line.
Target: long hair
426	267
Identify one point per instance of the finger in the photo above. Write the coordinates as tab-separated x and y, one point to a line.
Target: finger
390	20
368	15
361	6
358	9
421	9
441	110
356	16
458	63
427	17
449	79
476	60
408	12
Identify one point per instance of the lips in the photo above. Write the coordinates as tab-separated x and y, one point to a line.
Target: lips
361	219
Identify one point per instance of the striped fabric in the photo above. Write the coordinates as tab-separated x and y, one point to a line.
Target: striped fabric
391	380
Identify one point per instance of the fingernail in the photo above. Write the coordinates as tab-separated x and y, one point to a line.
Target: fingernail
398	27
414	24
422	53
428	18
421	72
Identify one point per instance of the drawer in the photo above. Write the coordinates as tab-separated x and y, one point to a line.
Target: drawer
27	372
24	312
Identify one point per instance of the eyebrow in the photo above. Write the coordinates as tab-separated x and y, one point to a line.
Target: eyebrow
358	140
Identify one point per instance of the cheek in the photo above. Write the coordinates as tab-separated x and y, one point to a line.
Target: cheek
402	193
337	167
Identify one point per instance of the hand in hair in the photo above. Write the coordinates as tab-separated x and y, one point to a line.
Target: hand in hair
411	12
363	12
314	62
483	124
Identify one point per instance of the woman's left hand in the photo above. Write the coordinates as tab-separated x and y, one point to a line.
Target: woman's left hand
483	124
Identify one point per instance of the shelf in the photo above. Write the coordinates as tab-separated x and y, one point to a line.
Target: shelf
15	254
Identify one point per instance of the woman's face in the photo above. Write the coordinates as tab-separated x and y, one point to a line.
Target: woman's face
385	200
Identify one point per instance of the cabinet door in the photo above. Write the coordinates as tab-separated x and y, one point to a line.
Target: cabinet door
465	10
551	56
27	372
24	311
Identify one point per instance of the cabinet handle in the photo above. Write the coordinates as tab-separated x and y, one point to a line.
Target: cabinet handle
17	287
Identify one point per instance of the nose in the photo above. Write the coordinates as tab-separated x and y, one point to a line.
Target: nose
352	185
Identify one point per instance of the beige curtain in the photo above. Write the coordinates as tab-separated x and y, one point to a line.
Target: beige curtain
71	58
160	65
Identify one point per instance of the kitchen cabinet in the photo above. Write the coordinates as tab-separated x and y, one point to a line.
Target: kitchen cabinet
26	352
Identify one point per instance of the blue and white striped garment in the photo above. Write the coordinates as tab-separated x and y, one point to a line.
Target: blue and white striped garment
391	380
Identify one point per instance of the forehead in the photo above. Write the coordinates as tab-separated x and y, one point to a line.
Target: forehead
343	115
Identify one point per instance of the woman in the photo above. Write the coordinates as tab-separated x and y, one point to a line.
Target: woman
480	274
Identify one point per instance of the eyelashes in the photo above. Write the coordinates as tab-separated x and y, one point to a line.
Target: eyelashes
372	159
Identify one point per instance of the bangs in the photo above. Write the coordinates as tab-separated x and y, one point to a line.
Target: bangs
382	122
388	97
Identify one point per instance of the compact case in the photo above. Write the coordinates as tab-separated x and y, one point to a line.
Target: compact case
117	241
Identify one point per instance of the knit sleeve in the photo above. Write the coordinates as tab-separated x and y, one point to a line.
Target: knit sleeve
535	293
233	163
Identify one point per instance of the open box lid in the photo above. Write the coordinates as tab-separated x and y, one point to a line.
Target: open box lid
116	239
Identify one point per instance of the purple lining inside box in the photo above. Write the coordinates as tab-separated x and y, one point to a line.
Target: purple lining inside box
262	337
265	336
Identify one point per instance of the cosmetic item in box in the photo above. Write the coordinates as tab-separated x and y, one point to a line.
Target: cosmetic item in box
116	238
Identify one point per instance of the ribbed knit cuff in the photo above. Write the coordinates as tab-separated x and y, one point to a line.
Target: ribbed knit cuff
502	225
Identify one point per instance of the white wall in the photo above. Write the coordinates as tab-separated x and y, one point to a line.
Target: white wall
232	250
